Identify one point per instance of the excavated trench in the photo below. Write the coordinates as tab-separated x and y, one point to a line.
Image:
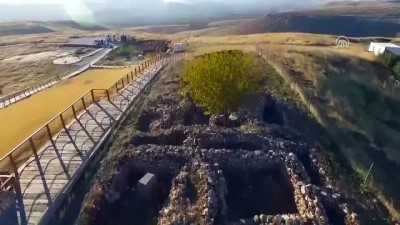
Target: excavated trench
335	215
271	113
137	206
258	191
173	137
311	170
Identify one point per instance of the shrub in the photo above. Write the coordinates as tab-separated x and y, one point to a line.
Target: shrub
218	81
389	59
125	51
396	68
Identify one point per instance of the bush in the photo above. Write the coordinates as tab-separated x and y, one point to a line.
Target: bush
218	81
125	51
389	60
396	68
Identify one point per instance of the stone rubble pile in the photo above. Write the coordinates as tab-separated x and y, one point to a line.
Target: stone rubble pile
210	181
307	201
181	209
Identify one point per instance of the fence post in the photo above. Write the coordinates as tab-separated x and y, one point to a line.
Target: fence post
17	188
108	95
62	121
369	172
49	132
83	102
92	93
73	110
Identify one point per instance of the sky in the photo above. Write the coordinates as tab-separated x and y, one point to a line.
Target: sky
85	10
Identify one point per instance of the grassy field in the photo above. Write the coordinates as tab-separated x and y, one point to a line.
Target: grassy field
349	100
20	120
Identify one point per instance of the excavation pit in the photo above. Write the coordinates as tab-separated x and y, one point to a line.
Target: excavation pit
175	138
256	191
314	175
335	215
141	201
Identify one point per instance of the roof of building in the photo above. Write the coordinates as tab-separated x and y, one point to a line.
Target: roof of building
84	41
386	44
395	50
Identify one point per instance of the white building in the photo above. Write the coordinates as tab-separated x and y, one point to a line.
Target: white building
179	47
380	48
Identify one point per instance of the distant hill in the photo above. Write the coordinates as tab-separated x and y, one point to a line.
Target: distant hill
22	28
78	26
354	19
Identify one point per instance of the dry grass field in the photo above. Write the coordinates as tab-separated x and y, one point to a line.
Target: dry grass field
20	120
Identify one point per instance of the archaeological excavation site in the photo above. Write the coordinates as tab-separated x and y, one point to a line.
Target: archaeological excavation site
174	165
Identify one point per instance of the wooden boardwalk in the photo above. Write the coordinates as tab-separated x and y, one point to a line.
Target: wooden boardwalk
46	176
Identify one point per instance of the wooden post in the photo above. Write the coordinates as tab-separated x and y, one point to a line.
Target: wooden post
135	72
83	102
74	111
92	93
17	188
369	172
49	132
62	121
33	146
123	84
116	87
108	95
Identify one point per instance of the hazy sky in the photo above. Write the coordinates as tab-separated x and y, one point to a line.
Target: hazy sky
85	10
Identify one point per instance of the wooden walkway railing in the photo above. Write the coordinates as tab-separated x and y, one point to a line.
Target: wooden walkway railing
21	94
24	93
16	158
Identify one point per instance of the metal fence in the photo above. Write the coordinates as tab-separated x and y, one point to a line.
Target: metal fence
18	156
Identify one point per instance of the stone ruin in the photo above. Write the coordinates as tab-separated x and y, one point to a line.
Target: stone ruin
210	175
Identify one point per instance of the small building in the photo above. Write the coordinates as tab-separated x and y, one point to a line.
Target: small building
124	38
381	48
179	47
